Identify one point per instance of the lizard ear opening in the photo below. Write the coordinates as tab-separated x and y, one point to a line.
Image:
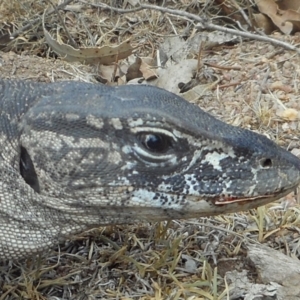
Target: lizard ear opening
27	170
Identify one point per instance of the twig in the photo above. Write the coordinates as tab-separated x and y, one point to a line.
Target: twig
241	11
72	42
222	67
204	24
118	10
38	19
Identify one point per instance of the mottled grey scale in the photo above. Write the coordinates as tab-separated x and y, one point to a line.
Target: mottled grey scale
75	156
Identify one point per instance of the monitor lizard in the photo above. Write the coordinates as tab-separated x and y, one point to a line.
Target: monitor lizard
77	155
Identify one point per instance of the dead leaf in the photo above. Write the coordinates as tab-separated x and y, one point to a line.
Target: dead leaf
90	55
5	39
265	23
287	20
134	70
148	72
290	114
197	92
174	74
289	4
278	85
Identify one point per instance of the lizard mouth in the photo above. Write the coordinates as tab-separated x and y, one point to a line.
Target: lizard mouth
223	200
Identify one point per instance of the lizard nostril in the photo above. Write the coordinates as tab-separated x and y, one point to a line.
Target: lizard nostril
266	162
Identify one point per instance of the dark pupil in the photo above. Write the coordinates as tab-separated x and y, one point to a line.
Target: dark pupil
155	143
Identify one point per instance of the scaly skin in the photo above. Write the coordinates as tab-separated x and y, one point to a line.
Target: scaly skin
75	156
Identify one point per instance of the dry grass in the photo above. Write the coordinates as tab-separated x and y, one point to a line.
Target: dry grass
179	259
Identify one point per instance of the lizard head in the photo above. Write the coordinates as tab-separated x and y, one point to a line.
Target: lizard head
140	152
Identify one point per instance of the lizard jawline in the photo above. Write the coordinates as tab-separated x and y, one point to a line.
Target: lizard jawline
229	200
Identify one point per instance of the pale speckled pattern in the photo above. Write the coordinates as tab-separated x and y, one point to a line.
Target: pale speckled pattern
88	166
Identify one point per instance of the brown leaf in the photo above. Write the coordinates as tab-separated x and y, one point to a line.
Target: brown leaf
287	21
134	70
148	72
264	23
278	85
290	114
289	4
90	55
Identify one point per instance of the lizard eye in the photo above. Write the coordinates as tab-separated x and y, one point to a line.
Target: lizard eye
153	142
